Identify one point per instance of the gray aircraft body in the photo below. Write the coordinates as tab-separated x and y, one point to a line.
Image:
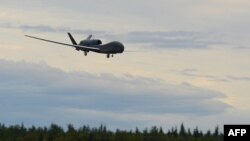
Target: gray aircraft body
89	44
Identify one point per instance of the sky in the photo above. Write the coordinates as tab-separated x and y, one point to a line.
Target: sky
190	63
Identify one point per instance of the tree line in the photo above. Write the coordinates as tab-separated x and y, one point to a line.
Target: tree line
85	133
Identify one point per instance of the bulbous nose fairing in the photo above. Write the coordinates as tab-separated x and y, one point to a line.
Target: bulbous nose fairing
119	46
113	47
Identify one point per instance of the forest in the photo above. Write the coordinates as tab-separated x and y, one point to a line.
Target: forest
85	133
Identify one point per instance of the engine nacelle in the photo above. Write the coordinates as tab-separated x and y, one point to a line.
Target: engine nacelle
96	42
91	42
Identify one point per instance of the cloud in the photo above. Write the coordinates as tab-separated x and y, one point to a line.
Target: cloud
170	39
195	73
238	78
47	28
29	91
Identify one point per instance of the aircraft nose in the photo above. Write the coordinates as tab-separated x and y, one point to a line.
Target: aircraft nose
122	47
117	47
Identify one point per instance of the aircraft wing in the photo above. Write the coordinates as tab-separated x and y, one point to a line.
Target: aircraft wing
76	46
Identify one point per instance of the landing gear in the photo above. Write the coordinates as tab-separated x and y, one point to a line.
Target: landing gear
108	55
85	53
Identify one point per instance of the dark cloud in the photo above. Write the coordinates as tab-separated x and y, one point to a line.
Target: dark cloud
37	93
195	73
174	39
243	78
37	86
47	28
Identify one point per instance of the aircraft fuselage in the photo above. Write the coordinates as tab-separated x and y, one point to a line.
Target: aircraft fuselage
108	48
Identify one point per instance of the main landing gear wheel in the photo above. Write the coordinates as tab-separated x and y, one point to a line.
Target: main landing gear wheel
108	55
85	53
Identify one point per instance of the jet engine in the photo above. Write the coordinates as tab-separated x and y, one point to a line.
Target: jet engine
95	42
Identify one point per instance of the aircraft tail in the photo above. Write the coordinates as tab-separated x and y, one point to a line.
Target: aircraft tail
72	39
89	37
